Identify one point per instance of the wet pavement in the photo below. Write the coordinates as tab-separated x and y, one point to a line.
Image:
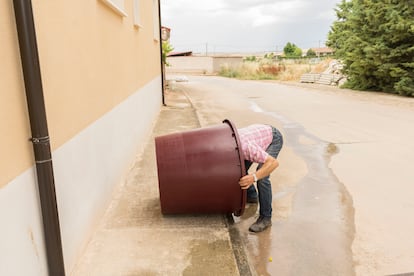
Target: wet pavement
322	211
312	228
343	192
314	215
316	237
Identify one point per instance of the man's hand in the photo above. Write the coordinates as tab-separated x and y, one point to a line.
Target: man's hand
269	166
246	181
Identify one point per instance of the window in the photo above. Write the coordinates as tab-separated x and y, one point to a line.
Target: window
137	17
156	22
117	5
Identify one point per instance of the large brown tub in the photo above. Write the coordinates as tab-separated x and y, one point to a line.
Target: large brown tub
199	171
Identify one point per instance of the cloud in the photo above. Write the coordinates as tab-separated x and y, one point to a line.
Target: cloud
246	24
275	12
178	7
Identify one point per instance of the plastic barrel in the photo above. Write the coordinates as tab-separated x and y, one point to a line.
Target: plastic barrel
199	171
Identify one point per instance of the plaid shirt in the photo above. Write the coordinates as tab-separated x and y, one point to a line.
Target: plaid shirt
255	139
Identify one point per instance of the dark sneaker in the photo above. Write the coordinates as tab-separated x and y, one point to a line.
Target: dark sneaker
261	224
252	200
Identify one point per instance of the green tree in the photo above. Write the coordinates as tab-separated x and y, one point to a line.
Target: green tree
251	59
291	50
311	53
166	49
375	41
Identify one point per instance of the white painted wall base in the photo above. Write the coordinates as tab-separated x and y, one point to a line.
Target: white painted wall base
21	231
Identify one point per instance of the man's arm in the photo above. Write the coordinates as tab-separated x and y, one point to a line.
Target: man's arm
268	167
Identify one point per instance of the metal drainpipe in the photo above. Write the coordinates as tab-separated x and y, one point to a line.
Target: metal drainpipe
40	137
162	63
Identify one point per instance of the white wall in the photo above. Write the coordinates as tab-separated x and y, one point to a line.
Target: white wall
233	62
190	64
86	168
201	64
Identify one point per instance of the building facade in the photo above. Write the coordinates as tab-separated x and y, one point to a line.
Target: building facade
101	76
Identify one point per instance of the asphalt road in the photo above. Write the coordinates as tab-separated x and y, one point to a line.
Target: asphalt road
343	195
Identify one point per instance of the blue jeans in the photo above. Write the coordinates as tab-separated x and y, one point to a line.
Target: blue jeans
263	185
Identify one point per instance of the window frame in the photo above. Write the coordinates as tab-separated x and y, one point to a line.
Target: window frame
156	20
137	14
117	6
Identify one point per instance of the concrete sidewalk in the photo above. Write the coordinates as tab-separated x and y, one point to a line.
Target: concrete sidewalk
134	238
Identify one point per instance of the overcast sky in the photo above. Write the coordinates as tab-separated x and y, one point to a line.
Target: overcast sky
247	25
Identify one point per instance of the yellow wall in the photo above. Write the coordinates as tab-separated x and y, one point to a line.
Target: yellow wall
15	150
91	60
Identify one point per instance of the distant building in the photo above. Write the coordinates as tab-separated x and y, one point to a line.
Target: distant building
165	33
323	51
180	54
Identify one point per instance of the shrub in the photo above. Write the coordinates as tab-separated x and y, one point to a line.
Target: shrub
270	70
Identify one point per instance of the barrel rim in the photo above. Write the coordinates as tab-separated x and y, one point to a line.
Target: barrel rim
242	166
